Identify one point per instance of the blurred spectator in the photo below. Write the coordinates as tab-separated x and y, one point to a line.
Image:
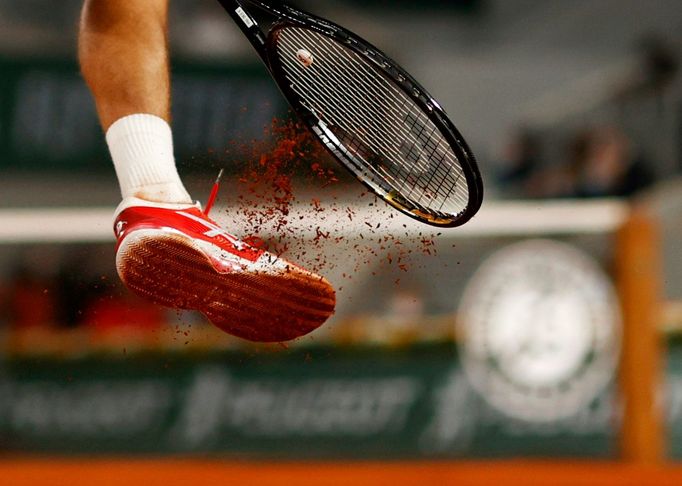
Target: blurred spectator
657	68
44	291
74	292
115	310
4	303
550	182
524	173
604	164
600	162
31	301
520	160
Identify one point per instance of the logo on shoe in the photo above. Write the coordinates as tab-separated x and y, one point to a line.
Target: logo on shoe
215	230
120	226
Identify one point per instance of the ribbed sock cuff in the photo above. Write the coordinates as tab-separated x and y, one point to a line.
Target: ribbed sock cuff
141	146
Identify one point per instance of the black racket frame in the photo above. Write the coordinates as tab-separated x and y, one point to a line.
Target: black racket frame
265	46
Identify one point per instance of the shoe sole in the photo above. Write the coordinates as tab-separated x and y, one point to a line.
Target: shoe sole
172	270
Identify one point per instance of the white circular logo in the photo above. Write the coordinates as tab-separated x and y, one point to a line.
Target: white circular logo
539	330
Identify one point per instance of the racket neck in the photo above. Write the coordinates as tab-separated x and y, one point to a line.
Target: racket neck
247	24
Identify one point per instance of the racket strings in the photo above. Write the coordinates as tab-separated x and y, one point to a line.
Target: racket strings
369	110
398	176
352	139
397	142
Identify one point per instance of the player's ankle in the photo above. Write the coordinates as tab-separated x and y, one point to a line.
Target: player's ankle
163	193
141	146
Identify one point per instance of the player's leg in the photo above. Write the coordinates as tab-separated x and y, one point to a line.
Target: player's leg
168	250
123	52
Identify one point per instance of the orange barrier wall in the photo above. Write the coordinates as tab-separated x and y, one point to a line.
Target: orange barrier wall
187	472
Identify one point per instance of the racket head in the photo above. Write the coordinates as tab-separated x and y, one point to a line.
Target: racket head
375	119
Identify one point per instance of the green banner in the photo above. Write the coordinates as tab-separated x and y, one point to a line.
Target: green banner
48	119
321	403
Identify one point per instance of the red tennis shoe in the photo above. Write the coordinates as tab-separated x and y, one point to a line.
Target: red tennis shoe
175	255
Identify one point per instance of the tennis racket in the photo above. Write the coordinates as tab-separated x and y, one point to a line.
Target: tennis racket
369	113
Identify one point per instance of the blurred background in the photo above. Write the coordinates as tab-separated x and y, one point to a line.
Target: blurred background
548	327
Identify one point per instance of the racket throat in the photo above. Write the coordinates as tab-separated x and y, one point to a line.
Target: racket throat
247	24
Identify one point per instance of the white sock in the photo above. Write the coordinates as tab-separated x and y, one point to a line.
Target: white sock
141	147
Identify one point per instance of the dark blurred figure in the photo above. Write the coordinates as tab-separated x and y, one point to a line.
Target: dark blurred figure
520	161
660	62
122	311
604	164
30	300
657	68
98	302
4	303
524	174
74	292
